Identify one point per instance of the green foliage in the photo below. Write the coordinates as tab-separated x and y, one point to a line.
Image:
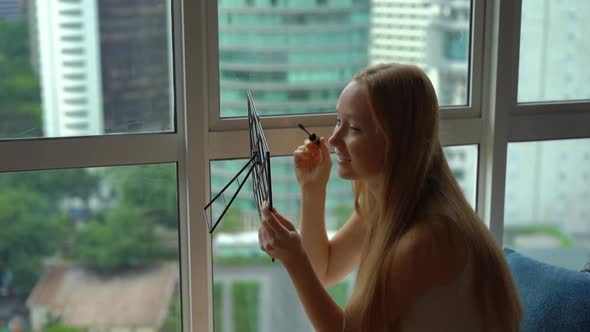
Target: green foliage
53	185
20	101
151	188
339	293
262	259
549	230
124	239
341	213
232	221
246	305
59	327
218	306
173	320
28	233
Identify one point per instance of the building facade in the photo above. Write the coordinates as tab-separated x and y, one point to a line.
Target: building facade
11	9
105	66
434	35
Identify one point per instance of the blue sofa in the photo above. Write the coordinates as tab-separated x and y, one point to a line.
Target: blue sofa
554	299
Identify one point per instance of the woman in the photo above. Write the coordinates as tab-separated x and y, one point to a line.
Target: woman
425	260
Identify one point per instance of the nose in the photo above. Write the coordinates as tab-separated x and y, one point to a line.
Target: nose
334	138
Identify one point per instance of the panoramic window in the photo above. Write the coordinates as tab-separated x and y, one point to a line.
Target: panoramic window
553	51
252	293
89	248
80	68
547	210
296	56
89	226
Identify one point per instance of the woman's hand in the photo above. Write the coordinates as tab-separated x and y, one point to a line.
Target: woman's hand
278	237
312	165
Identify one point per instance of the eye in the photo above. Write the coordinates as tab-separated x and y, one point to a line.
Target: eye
354	128
337	122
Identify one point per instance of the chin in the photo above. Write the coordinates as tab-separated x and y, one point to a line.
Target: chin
346	174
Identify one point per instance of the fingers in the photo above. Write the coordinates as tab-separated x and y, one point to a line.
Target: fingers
271	223
266	243
284	222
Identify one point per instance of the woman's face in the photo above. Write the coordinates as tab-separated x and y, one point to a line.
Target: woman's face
358	146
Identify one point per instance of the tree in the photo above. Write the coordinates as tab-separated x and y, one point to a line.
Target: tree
28	233
151	188
20	102
341	214
173	320
124	239
53	185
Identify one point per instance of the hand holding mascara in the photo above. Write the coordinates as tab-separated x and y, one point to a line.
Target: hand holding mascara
312	162
312	137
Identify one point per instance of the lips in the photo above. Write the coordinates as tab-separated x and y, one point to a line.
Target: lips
341	158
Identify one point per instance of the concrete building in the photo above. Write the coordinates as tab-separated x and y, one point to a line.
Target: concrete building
11	10
431	34
120	302
105	66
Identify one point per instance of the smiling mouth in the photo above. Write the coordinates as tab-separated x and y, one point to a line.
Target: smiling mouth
342	159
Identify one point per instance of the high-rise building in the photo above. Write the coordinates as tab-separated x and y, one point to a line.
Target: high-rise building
11	9
105	66
431	34
295	56
136	65
554	51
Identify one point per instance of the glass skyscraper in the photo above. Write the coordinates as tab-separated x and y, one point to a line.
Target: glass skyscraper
295	56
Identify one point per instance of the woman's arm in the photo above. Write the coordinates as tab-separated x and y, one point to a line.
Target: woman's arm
279	238
330	259
322	311
314	237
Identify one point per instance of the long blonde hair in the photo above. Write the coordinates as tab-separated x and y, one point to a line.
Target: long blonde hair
405	107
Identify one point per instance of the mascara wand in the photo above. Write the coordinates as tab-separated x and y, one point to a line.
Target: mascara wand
312	137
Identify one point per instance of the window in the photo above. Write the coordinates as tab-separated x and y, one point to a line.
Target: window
552	52
237	256
110	234
111	60
273	48
156	88
547	214
93	201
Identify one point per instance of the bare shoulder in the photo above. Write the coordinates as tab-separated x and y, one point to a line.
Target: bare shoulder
431	253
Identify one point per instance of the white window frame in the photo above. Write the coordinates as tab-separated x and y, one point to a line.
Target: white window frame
169	147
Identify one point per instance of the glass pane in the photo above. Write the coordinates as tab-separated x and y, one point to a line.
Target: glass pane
462	160
90	249
296	56
78	68
251	293
554	51
547	209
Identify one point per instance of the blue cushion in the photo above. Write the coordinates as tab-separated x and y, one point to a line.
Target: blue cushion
554	298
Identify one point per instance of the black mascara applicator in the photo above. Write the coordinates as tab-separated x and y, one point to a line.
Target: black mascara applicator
312	137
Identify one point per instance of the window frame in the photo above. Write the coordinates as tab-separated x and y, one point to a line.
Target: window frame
33	154
471	110
492	119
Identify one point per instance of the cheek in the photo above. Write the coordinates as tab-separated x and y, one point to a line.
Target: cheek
371	159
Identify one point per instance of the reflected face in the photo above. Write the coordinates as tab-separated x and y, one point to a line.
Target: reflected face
358	145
